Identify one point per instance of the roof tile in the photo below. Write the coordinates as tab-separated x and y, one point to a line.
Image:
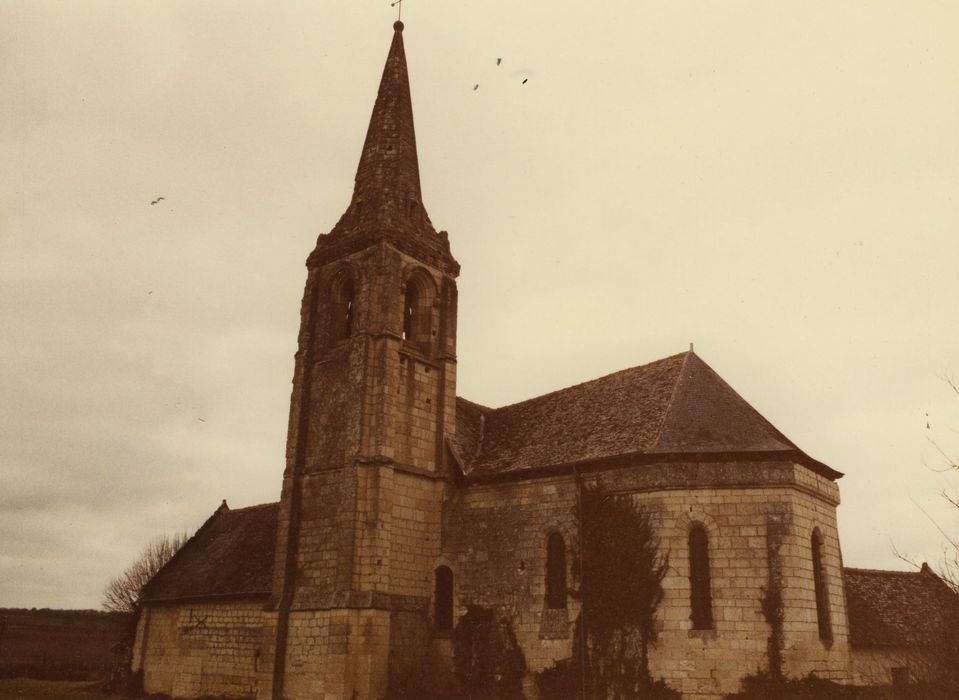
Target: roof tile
230	555
674	405
898	608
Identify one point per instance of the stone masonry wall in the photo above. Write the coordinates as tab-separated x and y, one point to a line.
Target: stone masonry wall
875	666
337	654
496	543
496	546
191	650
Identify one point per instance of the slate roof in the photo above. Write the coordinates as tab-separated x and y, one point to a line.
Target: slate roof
677	405
898	608
231	555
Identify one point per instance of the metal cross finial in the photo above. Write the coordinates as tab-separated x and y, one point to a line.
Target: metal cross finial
398	4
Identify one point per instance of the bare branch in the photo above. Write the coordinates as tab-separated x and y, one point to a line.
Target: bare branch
935	524
122	594
903	557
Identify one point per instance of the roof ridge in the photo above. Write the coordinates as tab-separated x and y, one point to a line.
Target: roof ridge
750	407
256	507
480	406
588	381
222	508
672	396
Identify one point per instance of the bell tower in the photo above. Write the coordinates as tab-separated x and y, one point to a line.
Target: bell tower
372	407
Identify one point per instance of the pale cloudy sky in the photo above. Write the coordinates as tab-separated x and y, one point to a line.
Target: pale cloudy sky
774	181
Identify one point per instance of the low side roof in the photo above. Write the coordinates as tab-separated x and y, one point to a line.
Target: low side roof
898	608
677	405
231	555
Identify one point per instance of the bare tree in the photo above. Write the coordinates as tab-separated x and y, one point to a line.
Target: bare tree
122	594
948	569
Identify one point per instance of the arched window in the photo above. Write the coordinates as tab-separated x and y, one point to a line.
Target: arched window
555	572
341	307
443	599
819	579
418	309
700	593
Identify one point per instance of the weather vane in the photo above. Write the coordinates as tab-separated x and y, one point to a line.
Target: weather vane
399	9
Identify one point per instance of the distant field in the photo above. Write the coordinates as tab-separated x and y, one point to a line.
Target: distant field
25	689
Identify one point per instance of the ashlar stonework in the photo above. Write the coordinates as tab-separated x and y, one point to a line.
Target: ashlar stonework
402	503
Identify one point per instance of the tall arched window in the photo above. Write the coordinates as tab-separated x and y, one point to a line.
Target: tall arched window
443	599
341	307
700	593
555	571
819	580
418	309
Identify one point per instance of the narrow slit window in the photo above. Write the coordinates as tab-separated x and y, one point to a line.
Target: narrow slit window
555	572
409	306
700	593
342	308
819	580
443	600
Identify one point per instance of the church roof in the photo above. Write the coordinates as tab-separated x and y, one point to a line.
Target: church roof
231	555
674	406
898	608
387	202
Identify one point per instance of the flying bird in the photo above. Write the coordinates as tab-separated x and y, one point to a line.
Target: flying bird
157	200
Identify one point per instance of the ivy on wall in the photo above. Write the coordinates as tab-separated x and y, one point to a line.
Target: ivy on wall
620	570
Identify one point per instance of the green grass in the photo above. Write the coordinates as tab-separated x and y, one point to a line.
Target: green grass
27	689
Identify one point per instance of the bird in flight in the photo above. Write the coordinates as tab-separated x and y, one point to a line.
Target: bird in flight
157	200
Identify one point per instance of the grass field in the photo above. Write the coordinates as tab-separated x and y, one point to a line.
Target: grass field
26	689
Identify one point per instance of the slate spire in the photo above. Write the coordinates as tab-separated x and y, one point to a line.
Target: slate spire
387	202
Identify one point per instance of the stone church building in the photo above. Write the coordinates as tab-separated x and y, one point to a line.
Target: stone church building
403	503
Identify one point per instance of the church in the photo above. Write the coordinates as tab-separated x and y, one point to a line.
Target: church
404	504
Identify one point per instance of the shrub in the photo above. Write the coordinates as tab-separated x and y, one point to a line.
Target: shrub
488	661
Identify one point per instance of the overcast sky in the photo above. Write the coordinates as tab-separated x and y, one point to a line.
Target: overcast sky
773	181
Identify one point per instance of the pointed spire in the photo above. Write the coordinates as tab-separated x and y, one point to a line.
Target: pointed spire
388	164
387	202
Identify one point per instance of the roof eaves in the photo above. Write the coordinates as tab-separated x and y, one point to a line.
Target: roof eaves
208	597
642	457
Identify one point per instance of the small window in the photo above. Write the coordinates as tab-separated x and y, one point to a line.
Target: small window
819	580
700	587
555	572
443	600
341	307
